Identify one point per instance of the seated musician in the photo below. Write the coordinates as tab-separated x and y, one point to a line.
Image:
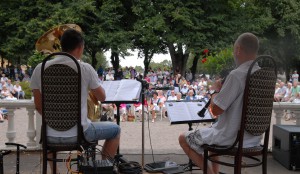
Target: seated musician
227	104
72	42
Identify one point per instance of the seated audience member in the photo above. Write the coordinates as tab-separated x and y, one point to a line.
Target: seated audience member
295	92
227	104
172	96
109	76
191	88
288	92
159	84
184	90
5	92
162	100
10	87
17	77
190	96
155	105
18	91
123	112
3	78
178	96
280	92
108	109
26	78
3	83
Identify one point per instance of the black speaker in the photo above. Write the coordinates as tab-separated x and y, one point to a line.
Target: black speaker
286	145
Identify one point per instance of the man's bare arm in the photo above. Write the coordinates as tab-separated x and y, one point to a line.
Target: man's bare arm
215	109
38	100
99	93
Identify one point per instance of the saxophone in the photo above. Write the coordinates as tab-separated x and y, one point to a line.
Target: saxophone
49	43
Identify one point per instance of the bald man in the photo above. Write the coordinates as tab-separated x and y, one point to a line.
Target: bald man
227	103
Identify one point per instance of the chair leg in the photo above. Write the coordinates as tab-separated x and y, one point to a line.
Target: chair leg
44	161
54	163
205	160
238	164
264	164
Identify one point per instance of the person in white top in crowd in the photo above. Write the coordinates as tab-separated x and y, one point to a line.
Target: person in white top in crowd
287	92
18	91
10	86
109	76
184	90
172	96
281	92
3	78
2	83
295	77
5	92
179	96
227	105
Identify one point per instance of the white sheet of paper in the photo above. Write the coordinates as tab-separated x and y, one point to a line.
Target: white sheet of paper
185	111
122	90
128	90
177	111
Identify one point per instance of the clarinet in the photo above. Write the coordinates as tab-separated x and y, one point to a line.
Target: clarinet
201	113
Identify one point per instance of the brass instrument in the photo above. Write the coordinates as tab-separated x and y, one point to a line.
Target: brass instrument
49	43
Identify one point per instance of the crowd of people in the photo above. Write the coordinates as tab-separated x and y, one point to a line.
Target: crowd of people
288	92
171	87
10	88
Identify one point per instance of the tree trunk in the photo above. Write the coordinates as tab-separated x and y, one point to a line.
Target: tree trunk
194	66
147	60
94	60
2	61
115	60
179	59
146	64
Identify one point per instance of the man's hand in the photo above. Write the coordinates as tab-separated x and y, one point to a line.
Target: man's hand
217	86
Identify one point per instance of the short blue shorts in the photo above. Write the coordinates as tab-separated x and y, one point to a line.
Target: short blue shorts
96	131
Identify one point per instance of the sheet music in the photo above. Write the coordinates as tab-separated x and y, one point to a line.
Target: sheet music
110	88
186	111
194	108
122	90
177	111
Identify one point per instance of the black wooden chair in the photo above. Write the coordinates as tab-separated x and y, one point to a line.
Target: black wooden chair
61	106
256	119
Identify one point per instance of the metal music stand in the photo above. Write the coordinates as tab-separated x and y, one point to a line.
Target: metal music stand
190	123
118	103
6	152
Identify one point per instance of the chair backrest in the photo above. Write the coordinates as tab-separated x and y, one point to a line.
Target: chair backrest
258	96
61	94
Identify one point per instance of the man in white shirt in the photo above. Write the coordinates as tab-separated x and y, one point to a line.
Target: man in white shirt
227	104
184	90
172	96
72	42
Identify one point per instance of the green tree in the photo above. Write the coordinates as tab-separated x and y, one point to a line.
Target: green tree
282	36
147	31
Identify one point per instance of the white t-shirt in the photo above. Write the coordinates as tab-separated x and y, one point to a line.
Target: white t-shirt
89	80
230	99
17	88
172	97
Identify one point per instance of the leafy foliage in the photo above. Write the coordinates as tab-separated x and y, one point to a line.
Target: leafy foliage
35	59
219	62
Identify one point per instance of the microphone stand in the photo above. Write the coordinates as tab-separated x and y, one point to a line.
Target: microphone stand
145	86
